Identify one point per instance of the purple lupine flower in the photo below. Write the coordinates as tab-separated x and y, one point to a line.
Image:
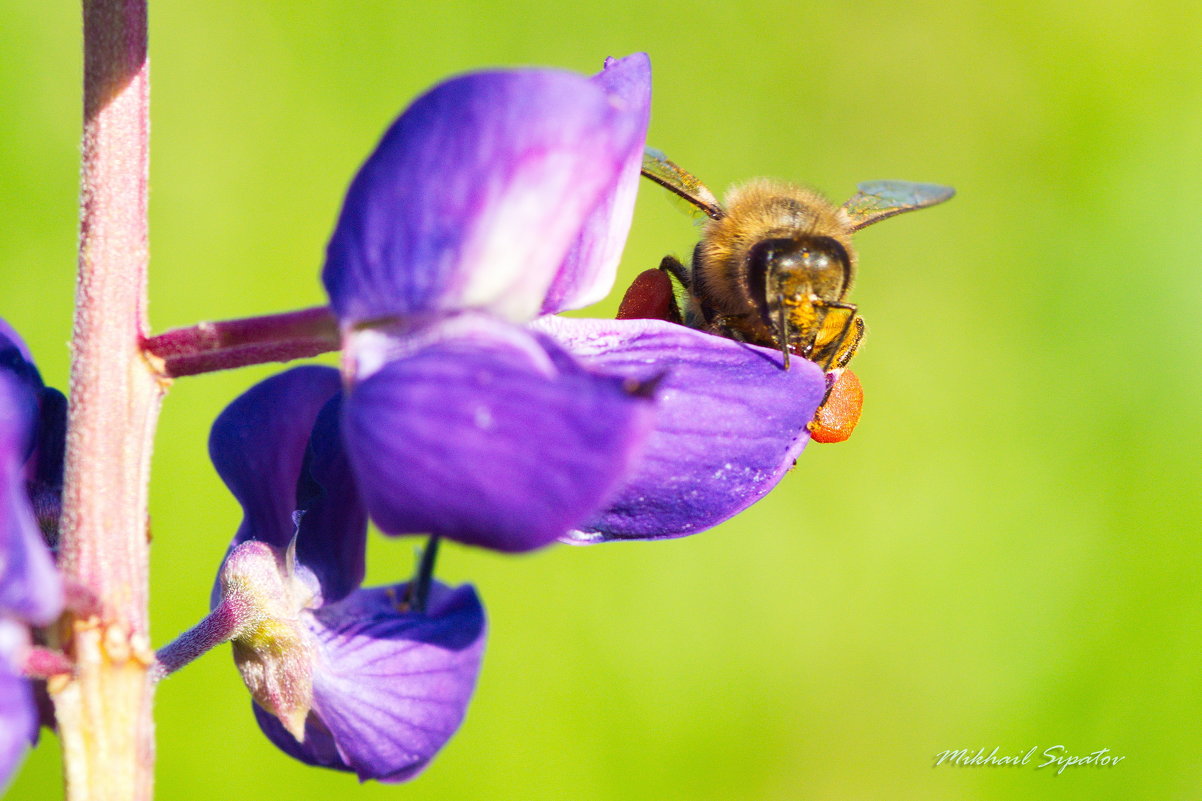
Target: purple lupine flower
373	681
489	194
30	589
493	199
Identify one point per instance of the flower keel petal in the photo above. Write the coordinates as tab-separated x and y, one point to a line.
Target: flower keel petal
730	422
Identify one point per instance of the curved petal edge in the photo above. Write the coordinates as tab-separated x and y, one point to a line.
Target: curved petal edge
474	195
729	423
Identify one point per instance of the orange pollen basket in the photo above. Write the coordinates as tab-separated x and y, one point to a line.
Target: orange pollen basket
837	418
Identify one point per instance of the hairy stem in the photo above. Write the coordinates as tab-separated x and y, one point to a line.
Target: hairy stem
207	347
225	622
104	708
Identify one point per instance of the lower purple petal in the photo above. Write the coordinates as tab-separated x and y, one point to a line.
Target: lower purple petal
18	719
318	749
392	685
497	438
730	422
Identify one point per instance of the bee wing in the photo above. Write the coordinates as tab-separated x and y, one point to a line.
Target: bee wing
877	200
670	176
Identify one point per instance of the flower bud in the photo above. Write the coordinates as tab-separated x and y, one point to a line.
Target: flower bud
267	591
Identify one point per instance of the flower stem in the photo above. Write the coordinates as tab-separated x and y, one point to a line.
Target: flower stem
104	708
419	588
221	625
207	347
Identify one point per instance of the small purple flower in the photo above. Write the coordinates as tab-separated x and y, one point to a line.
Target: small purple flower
373	681
31	434
495	198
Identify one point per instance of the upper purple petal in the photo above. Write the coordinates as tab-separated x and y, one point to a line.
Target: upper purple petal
258	444
729	423
332	529
489	436
475	194
587	273
279	449
392	686
30	588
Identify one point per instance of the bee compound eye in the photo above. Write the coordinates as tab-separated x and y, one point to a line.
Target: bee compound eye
825	264
795	267
763	259
823	254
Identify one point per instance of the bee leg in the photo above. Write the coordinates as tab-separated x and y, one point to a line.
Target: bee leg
672	266
850	344
836	351
682	288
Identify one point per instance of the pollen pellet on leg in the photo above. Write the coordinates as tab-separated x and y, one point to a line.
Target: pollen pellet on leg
648	298
837	417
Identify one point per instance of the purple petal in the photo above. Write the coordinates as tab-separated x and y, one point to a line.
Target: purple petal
258	445
587	273
474	195
24	384
16	362
393	686
332	532
490	437
730	422
9	338
18	720
29	584
44	469
45	466
318	749
278	449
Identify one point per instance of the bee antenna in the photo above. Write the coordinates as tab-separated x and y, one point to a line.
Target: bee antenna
782	326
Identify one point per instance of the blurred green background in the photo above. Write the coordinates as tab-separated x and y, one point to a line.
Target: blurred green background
1005	554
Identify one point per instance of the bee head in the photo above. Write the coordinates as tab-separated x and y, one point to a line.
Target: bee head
792	269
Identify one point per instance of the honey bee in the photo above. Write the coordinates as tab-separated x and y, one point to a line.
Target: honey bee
775	264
